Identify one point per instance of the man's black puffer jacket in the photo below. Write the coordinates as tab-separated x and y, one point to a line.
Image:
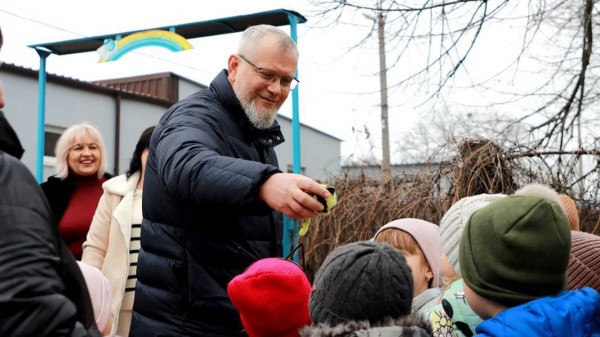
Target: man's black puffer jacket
201	213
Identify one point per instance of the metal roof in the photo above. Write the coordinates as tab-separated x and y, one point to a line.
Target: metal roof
278	17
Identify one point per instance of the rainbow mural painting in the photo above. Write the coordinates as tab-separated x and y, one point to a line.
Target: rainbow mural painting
112	50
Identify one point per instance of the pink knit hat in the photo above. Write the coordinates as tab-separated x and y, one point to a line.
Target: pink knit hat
272	298
100	294
428	238
584	265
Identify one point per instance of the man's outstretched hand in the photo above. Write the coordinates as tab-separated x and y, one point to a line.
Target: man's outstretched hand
286	193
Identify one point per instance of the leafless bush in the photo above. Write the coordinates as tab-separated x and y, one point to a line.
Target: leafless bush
366	203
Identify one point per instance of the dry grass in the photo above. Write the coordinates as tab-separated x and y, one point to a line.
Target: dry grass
367	203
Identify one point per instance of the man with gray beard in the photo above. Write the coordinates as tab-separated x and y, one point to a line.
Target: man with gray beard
213	192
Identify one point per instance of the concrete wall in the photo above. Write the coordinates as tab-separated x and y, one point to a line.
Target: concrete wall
374	171
187	88
319	152
136	116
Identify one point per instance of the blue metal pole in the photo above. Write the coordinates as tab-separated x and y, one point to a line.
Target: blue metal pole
295	106
290	226
41	113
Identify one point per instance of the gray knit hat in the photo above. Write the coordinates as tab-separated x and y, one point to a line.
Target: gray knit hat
454	221
363	280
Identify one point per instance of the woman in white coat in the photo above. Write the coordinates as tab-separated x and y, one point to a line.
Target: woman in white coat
113	241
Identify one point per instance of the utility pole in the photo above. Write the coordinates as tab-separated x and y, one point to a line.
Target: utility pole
385	137
580	160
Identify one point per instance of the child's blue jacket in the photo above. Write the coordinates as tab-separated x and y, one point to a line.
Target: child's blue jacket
573	313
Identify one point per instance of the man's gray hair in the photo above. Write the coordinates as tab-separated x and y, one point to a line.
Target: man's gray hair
253	34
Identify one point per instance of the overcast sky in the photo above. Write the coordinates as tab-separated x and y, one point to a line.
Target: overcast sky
339	88
331	79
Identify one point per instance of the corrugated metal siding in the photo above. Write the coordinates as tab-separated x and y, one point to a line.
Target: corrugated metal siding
164	85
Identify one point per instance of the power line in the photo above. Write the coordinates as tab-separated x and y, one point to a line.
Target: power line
40	22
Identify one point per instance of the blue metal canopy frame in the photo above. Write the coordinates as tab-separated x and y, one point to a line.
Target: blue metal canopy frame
278	17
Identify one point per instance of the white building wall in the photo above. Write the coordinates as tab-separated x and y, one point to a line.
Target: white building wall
65	106
136	116
319	152
186	88
21	112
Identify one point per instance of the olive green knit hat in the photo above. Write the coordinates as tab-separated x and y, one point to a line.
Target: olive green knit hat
516	249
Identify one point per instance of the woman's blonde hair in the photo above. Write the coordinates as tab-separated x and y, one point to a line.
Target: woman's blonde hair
403	241
70	137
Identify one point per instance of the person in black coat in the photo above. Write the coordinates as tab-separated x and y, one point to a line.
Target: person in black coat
42	290
213	190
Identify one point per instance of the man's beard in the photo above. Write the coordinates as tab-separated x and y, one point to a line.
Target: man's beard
261	119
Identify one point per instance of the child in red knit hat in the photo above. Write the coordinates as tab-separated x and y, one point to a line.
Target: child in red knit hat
272	298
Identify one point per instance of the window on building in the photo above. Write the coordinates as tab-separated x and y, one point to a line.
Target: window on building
51	135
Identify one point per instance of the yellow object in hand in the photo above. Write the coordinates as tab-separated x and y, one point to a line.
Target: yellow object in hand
328	205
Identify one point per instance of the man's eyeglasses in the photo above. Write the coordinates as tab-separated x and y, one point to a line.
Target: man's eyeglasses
287	82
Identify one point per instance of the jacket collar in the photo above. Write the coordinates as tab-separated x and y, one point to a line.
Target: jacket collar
120	185
222	88
123	212
9	142
420	302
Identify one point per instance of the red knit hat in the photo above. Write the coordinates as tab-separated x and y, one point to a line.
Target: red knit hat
584	265
272	298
